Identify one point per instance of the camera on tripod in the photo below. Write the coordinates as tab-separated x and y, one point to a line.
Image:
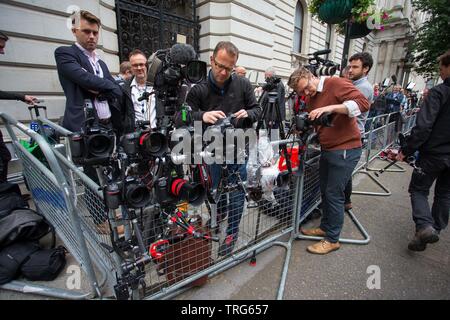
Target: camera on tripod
304	123
321	67
271	83
95	143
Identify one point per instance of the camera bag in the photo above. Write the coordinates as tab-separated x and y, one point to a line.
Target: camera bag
10	198
44	264
12	257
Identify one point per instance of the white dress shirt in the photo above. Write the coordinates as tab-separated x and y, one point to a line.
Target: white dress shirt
102	107
143	110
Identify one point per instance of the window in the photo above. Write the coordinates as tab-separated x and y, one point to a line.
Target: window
298	28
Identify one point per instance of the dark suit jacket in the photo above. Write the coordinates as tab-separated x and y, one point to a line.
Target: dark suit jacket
77	77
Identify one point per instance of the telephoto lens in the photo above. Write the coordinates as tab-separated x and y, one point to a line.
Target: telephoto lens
324	120
194	193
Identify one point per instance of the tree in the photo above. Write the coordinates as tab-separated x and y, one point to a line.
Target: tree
432	39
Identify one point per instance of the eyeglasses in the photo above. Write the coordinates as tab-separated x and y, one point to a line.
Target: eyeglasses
88	32
139	65
302	91
222	67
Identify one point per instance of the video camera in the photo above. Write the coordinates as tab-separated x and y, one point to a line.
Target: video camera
169	69
271	83
321	67
95	143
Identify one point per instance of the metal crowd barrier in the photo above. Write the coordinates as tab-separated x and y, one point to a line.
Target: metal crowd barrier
53	196
74	204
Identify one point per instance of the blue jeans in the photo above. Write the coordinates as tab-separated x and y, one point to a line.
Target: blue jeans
234	205
335	171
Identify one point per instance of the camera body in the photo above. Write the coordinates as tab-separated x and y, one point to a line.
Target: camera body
144	143
304	123
95	143
271	83
131	192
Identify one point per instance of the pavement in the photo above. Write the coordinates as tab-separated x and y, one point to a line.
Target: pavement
383	269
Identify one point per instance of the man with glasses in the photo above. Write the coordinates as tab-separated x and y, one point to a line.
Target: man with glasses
221	95
133	89
84	76
340	146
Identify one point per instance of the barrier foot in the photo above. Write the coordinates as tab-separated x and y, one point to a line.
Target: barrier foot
26	288
342	240
400	168
386	192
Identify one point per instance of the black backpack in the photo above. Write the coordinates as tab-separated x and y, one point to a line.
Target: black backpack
20	250
23	225
10	198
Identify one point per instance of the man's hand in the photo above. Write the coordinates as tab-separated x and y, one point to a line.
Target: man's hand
316	113
30	100
400	156
212	116
241	114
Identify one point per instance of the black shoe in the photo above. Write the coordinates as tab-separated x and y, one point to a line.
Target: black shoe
416	244
422	237
227	245
428	235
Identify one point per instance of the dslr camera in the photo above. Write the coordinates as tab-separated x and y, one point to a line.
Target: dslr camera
95	143
304	123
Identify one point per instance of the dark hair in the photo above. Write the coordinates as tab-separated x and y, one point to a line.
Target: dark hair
445	59
136	52
86	15
229	47
3	36
365	58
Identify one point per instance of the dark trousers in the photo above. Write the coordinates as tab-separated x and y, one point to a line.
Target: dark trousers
5	157
435	168
234	207
335	170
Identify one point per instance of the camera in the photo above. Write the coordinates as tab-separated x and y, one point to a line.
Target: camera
144	143
304	123
231	122
95	145
131	192
271	83
321	67
167	71
171	189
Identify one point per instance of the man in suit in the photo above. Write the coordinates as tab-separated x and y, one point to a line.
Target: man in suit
84	76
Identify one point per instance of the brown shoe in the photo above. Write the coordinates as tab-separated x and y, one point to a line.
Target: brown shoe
315	232
323	247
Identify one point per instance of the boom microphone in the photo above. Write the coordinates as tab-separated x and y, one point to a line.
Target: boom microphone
322	52
182	53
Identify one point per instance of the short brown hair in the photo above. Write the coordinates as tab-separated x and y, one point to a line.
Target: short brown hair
86	15
124	67
298	74
136	52
445	59
229	47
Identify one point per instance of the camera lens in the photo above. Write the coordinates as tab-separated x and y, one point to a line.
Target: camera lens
137	195
242	123
193	193
76	145
112	196
155	144
99	145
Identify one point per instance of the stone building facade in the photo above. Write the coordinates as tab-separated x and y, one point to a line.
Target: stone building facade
269	33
